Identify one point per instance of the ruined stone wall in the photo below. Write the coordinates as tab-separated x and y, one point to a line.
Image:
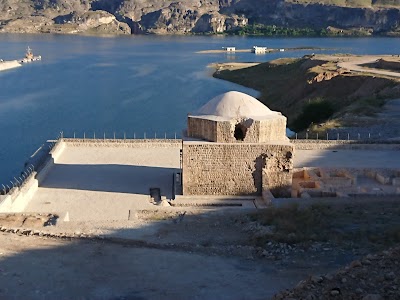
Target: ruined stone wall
202	129
255	131
235	169
224	132
273	130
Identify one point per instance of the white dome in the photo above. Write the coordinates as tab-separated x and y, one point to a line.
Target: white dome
235	105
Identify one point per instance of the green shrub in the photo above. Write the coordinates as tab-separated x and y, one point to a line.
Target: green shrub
315	111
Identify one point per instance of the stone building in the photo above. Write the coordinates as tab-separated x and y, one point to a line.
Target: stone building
235	145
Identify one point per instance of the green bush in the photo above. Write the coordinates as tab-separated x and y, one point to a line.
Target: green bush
313	112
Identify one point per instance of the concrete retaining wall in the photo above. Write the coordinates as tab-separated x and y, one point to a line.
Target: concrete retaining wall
128	143
18	198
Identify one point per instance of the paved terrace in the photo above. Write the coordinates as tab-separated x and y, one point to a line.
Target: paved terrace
95	182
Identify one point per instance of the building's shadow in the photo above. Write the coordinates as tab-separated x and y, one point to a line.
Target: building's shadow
110	178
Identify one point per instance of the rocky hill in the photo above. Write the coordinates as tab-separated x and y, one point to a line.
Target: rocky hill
195	16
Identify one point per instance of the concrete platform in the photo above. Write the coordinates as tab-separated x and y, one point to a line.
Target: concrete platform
107	182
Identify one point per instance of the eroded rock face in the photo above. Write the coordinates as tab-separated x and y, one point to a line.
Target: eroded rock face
190	16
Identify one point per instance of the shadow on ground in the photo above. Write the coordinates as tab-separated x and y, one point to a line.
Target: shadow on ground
111	178
45	268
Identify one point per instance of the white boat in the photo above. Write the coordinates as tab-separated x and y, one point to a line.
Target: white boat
29	57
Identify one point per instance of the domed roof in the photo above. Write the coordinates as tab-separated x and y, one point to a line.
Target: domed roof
233	105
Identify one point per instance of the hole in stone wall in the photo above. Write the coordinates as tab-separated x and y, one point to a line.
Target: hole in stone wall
240	132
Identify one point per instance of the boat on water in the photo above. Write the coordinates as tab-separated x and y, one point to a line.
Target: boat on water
29	57
10	64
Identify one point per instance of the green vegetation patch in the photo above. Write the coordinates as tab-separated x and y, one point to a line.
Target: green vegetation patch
315	111
279	31
272	30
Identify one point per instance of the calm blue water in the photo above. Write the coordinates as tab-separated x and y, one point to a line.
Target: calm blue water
123	84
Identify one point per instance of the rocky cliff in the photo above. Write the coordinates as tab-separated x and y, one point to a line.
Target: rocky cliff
193	16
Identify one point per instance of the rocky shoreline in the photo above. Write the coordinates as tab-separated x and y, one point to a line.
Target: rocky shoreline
193	17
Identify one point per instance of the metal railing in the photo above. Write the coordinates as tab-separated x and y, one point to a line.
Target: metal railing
340	136
113	135
30	167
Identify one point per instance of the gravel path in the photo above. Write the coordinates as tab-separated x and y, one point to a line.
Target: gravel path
354	65
387	125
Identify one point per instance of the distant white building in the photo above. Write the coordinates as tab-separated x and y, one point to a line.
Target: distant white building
230	49
258	50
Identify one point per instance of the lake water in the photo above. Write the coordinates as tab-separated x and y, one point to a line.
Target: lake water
128	85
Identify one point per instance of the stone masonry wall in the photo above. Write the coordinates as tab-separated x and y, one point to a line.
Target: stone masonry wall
235	169
202	129
225	131
255	131
273	130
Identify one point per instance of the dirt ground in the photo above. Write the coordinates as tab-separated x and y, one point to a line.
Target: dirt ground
193	259
189	253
